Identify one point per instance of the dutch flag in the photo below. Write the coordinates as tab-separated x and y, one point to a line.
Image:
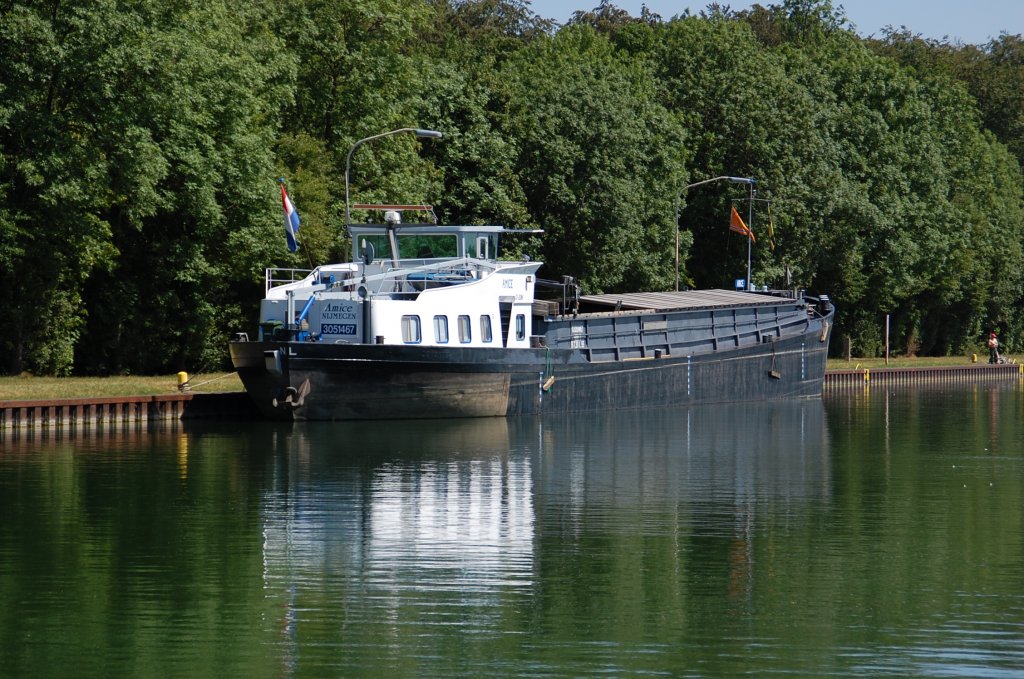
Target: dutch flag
291	220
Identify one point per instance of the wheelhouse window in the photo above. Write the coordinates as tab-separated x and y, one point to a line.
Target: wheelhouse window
485	329
520	326
381	247
428	247
465	330
486	247
441	329
411	330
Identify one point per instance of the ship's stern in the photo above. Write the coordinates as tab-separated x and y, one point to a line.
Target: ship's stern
259	366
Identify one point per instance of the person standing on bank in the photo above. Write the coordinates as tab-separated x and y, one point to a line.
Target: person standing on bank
993	348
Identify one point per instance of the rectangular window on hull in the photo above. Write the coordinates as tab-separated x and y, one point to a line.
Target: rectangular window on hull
520	326
411	330
485	329
465	330
441	329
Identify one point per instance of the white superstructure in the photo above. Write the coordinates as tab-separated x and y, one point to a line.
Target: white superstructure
417	284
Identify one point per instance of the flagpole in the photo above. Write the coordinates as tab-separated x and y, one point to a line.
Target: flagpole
750	225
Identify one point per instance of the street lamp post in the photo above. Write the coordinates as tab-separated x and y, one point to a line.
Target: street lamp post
749	181
423	134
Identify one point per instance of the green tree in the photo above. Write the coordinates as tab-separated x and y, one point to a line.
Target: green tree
208	96
68	162
746	115
360	73
467	96
600	160
136	154
139	144
993	74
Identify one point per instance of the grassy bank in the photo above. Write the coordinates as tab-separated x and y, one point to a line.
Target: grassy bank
905	362
24	388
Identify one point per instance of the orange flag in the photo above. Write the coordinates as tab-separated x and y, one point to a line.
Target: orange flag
736	224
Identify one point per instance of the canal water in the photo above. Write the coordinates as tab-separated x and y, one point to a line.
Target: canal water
869	534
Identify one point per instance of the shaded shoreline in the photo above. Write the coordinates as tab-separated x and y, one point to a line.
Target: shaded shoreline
31	387
236	405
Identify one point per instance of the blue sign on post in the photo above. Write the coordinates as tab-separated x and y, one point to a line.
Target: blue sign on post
741	283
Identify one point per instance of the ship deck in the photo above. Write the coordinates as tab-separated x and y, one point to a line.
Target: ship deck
685	299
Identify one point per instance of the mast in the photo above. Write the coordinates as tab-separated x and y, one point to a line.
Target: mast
750	225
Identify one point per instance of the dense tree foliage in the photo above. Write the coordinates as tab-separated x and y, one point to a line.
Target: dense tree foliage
140	142
137	141
599	160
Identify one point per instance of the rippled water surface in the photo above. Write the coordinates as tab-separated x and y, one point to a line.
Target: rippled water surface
869	535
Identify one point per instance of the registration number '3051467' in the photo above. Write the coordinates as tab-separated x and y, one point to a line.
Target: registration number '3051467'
337	328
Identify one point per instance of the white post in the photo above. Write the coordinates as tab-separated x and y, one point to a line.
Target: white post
289	321
887	339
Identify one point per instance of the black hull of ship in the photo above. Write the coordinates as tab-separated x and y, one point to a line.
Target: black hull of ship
317	381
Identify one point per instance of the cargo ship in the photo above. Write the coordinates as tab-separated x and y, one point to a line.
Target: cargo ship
429	321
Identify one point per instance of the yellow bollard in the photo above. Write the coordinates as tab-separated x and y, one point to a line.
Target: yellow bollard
183	381
974	358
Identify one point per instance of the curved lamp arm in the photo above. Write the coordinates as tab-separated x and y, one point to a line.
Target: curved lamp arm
423	134
679	197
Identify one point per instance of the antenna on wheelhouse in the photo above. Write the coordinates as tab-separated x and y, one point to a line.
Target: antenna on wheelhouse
392	218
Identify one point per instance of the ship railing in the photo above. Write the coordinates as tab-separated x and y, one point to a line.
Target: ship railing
275	277
786	293
566	294
394	280
817	307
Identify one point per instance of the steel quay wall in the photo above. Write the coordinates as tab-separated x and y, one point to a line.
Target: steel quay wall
74	412
836	380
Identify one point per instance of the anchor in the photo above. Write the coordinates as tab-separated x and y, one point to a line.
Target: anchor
292	397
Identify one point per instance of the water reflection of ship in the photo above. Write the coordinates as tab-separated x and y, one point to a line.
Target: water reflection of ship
703	474
371	521
411	511
472	489
703	453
